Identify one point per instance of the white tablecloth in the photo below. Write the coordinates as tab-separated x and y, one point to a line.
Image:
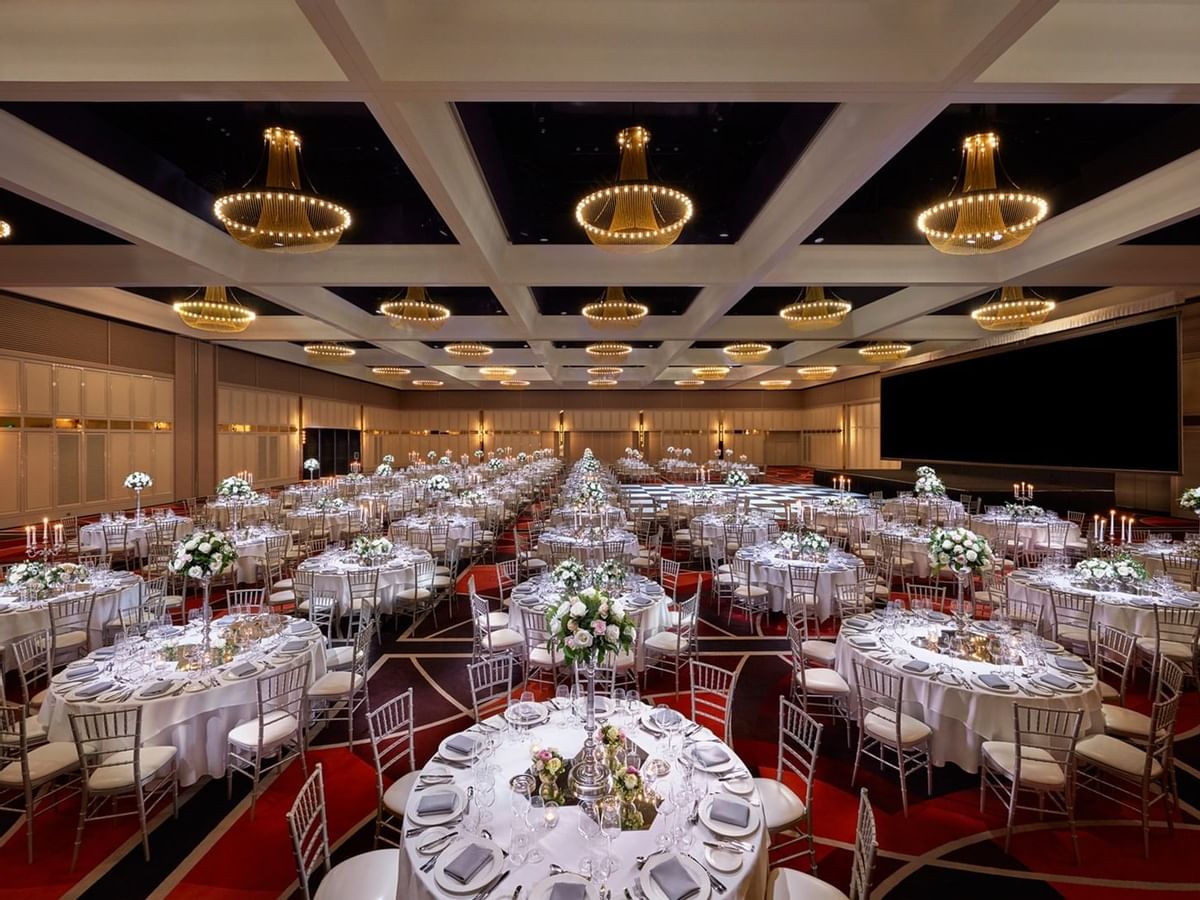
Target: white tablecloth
252	547
336	520
394	576
19	618
1030	532
950	510
564	845
459	526
91	537
770	566
721	529
1129	612
248	511
583	545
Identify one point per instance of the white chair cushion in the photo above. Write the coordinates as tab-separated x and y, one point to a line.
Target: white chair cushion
780	804
279	727
1038	767
665	642
540	656
45	762
881	725
1108	692
1107	751
753	591
395	798
1170	649
823	681
116	777
789	884
494	620
533	562
334	684
818	651
442	581
1079	635
69	639
504	638
35	732
441	570
281	597
725	578
337	657
283	584
1125	721
413	594
173	601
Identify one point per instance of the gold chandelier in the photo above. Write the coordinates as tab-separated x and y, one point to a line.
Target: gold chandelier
415	310
468	350
615	310
5	230
816	373
427	383
689	383
602	382
979	218
775	384
815	311
710	373
614	350
747	353
497	373
390	371
605	371
279	216
329	351
515	384
216	312
885	351
633	214
1013	310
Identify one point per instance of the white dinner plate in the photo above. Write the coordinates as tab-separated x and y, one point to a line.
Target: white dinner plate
724	828
723	860
229	676
649	723
482	877
460	798
1009	687
447	753
743	786
716	767
543	714
541	890
1074	673
698	872
1073	689
431	836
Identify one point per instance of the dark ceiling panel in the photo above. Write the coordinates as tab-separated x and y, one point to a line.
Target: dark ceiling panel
462	301
188	153
1069	153
33	223
568	301
769	300
1059	294
253	302
540	158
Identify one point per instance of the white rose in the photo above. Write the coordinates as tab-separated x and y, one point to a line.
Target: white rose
618	608
205	547
190	545
556	626
578	608
612	633
564	608
972	556
630	631
947	544
583	639
195	572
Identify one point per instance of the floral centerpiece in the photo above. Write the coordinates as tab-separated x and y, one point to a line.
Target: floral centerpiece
728	453
841	503
522	457
611	571
589	626
30	574
1122	567
788	541
478	454
1191	500
687	451
549	768
1023	510
1095	569
813	545
928	484
431	455
203	555
355	477
569	575
471	498
312	465
960	550
383	470
591	494
443	460
589	464
235	488
388	459
138	481
630	788
495	463
743	458
328	504
737	478
371	549
438	483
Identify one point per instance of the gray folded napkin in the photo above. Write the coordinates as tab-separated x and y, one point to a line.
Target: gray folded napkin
863	641
241	670
300	627
664	717
568	890
857	623
990	626
104	652
1049	644
1070	664
81	672
934	616
467	864
1056	681
435	804
992	680
730	812
1142	602
93	689
915	665
159	687
294	646
709	754
673	880
460	743
526	711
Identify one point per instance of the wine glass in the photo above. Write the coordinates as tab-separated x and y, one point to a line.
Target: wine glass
610	827
618	698
562	696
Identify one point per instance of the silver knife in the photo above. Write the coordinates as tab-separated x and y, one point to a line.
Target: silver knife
482	895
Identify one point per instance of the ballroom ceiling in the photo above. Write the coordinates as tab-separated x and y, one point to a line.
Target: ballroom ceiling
808	135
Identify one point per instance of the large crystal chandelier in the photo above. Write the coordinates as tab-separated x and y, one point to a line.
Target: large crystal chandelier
750	352
815	311
634	214
216	312
615	310
979	218
415	311
1013	310
279	216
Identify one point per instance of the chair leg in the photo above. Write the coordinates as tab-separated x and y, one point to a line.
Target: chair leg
83	806
1012	812
141	802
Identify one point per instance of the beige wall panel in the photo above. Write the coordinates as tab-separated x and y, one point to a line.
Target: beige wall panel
782	448
1190	386
10	472
95	467
10	385
142	393
120	404
68	462
164	465
39	472
224	405
164	400
68	391
143	456
95	394
120	463
39	391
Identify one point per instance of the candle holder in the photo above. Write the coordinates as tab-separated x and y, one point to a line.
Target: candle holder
46	552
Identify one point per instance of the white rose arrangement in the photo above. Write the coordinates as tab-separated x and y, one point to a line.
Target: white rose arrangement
389	459
789	541
431	455
312	464
1128	569
589	626
608	572
522	456
1191	499
737	478
438	483
1121	567
569	575
1023	510
383	470
841	503
687	451
355	476
479	454
328	504
27	573
370	549
1095	569
443	460
671	451
138	481
495	463
813	544
589	464
928	484
960	550
203	554
728	453
235	488
592	494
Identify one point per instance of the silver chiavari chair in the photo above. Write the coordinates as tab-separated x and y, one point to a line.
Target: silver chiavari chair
887	734
392	742
786	813
712	690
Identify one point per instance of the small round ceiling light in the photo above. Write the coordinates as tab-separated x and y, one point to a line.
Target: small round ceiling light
687	383
217	312
329	351
427	384
605	371
5	230
775	384
468	350
614	350
515	384
615	310
710	373
1012	311
815	311
602	382
415	311
497	373
885	351
390	371
816	373
747	353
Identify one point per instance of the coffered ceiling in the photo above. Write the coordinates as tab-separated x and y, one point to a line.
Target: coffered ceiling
460	136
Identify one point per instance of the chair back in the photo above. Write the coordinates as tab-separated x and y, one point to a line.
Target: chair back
32	655
1182	568
111	739
1177	625
851	600
866	845
1114	655
244	601
880	694
14	737
1169	682
1027	610
1161	743
1070	608
309	829
70	614
491	685
668	577
799	743
1054	731
926	597
391	729
282	693
604	679
712	698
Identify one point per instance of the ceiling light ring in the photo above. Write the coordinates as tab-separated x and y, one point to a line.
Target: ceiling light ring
603	382
815	311
497	373
329	351
390	371
515	384
689	383
885	351
605	371
468	350
427	383
217	312
775	384
614	350
711	373
747	352
816	373
1012	310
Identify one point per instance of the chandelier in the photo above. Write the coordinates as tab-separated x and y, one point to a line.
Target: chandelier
816	373
279	216
216	312
747	353
1013	310
689	383
615	310
710	373
415	310
775	384
979	218
605	371
5	230
885	351
614	350
497	373
815	311
602	382
633	214
514	384
426	383
468	350
390	371
326	351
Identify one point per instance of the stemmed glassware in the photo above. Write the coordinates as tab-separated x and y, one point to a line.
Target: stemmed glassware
610	827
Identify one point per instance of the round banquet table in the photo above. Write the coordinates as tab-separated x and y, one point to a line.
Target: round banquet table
863	519
248	510
951	510
395	574
19	617
612	516
196	713
336	520
769	569
91	536
459	526
1030	532
720	529
584	543
252	547
962	715
1151	553
914	545
564	845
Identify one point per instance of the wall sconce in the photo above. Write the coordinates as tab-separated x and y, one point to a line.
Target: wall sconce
562	434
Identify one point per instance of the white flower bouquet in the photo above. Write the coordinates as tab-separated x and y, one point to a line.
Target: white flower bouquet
687	451
438	483
569	575
737	478
471	498
589	464
203	554
1023	510
443	460
928	484
388	459
479	454
728	453
608	572
841	503
355	476
235	488
589	626
591	493
743	458
495	463
1191	499
671	451
431	455
312	464
789	541
522	456
1128	569
959	549
27	573
371	549
138	481
383	470
330	504
1095	569
813	544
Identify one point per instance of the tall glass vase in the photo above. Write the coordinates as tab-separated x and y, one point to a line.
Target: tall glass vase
966	579
590	778
137	493
205	623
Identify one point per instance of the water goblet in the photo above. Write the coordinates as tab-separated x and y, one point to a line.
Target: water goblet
610	827
562	696
618	698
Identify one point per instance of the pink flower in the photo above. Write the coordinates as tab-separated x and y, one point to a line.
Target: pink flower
545	754
631	770
598	627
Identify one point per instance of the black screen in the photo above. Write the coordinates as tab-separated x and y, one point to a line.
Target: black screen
334	448
1107	400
